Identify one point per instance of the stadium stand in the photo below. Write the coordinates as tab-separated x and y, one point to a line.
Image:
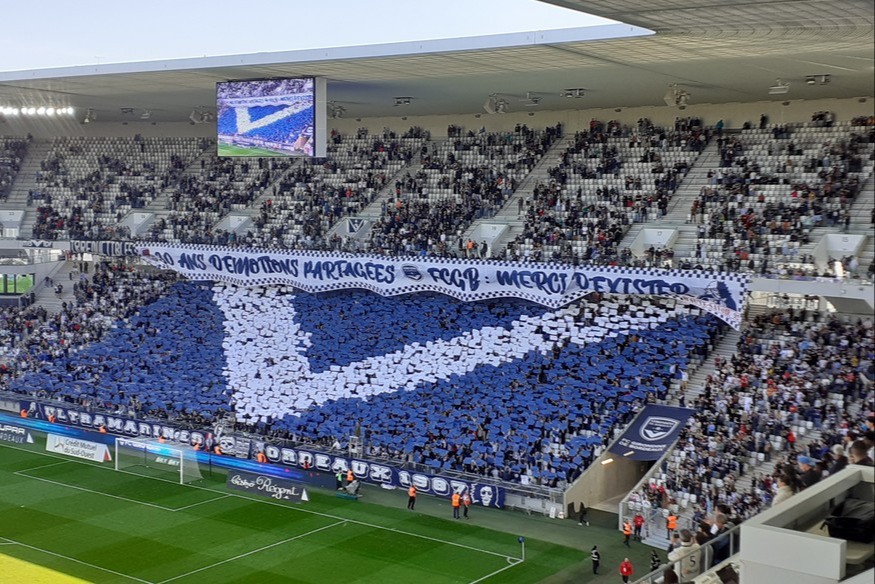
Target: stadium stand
87	185
608	178
507	357
202	196
466	178
794	373
307	202
12	152
774	186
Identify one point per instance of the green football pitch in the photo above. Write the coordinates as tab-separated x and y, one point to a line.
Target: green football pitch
87	522
229	150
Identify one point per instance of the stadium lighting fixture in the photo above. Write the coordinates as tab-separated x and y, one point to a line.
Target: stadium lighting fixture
90	116
779	88
822	79
403	100
196	117
200	116
532	99
574	93
335	110
495	104
607	461
146	114
675	96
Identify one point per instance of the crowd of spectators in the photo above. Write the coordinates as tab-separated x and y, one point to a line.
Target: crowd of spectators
313	197
85	187
101	351
771	190
34	338
200	199
12	152
794	372
469	177
607	179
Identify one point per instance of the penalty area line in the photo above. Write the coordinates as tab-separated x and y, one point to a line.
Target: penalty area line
93	492
261	549
68	558
294	509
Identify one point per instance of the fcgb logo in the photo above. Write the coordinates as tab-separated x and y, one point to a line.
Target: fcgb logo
656	428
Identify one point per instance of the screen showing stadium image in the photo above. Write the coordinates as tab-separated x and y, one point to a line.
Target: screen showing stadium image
271	117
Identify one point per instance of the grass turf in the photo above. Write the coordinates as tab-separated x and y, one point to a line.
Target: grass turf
98	525
230	150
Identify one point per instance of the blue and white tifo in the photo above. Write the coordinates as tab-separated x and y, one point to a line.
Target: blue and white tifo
501	387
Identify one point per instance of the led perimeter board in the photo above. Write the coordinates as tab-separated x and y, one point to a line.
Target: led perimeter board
271	117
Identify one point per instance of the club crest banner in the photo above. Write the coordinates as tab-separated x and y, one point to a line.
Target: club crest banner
652	432
552	285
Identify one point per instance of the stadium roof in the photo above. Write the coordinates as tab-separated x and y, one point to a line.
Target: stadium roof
725	52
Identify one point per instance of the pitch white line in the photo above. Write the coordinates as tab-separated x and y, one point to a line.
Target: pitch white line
266	502
261	549
162	507
200	503
511	563
12	541
44	466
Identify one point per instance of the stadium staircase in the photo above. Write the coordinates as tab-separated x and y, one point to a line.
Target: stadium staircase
861	224
374	210
509	213
158	206
678	215
254	208
725	348
25	181
861	209
45	295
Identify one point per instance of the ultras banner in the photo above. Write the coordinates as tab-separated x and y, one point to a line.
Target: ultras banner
552	285
652	432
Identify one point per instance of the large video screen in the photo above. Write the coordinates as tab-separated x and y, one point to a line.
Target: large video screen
271	117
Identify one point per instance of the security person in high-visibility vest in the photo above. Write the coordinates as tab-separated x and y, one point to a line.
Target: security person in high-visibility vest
261	457
671	524
338	480
456	501
349	476
627	533
411	497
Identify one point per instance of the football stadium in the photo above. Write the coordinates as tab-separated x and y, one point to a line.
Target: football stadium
567	306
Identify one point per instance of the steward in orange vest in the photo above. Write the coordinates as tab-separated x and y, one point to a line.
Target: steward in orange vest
411	497
671	523
456	501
